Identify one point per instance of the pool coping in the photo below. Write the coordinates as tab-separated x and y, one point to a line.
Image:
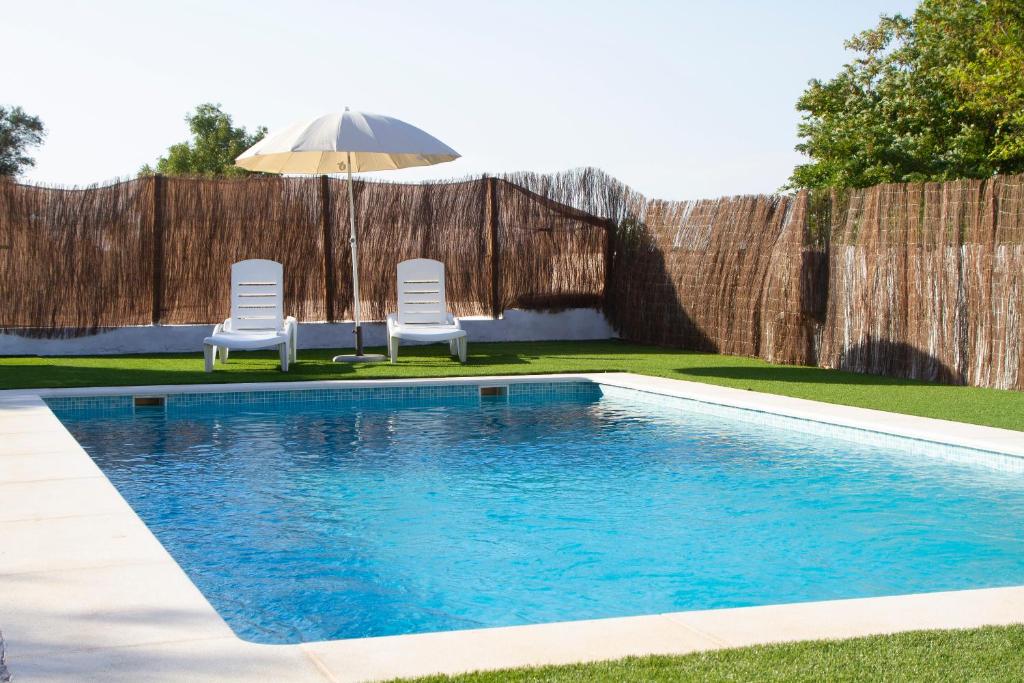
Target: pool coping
88	593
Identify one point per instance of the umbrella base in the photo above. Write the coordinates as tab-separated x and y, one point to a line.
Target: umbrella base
365	358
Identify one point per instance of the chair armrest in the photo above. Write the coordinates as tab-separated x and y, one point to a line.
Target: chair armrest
392	320
289	323
452	320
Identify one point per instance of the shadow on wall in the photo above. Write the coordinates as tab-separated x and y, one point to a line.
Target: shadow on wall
897	359
738	276
643	305
814	274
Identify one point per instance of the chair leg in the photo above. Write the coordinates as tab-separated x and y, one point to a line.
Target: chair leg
393	348
463	349
208	352
223	351
284	352
295	343
453	347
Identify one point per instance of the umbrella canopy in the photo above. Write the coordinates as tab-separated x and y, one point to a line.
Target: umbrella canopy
347	142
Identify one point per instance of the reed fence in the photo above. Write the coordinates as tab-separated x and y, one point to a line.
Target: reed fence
158	250
927	281
914	280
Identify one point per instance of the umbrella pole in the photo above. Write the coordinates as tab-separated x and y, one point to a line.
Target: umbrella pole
357	314
358	331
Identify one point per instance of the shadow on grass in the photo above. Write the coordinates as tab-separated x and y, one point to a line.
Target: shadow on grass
171	368
262	366
513	358
792	373
425	356
874	362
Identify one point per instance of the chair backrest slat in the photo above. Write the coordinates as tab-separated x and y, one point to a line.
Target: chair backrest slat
421	297
257	295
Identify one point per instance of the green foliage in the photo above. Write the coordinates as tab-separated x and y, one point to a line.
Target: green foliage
937	96
211	152
18	132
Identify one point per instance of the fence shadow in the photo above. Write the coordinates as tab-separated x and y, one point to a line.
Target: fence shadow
643	303
796	374
897	359
875	362
483	354
166	368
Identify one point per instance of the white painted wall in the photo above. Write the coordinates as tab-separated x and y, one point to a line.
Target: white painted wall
576	324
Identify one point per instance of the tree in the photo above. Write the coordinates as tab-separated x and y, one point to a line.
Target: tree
934	97
212	150
18	132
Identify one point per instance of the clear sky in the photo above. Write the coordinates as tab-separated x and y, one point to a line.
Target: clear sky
678	99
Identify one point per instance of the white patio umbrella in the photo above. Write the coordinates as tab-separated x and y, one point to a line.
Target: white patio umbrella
349	142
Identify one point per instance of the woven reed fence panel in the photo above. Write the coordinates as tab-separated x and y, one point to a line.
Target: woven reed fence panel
160	249
916	280
551	256
927	282
723	275
994	287
75	260
594	201
210	224
442	221
794	293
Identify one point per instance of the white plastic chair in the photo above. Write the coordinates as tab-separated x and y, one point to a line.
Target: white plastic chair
257	315
422	309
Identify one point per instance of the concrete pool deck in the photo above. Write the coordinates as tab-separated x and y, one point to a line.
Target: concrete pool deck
87	593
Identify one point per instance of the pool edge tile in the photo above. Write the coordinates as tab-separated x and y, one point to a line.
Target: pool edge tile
857	617
453	652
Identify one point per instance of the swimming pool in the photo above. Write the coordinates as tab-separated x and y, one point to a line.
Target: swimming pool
314	515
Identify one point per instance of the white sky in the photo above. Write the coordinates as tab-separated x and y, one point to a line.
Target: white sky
678	99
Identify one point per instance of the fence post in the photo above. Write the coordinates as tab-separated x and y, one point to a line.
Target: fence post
494	248
157	252
327	226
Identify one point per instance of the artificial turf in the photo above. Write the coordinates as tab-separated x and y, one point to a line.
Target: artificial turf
965	404
984	654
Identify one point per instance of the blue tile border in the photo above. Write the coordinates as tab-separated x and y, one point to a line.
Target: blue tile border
460	393
361	395
91	405
553	390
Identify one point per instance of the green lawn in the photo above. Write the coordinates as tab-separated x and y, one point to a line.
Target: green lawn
966	404
985	654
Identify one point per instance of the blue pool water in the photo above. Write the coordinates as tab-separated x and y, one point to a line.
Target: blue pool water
323	520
